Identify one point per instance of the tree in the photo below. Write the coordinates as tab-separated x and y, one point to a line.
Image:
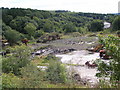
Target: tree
19	23
48	26
112	45
69	27
30	29
39	33
7	19
95	26
116	23
12	36
5	27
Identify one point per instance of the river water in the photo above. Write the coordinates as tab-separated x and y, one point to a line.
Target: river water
75	62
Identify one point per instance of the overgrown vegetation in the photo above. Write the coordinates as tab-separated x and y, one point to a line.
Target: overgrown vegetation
20	71
10	81
116	23
29	23
56	72
31	77
19	57
111	69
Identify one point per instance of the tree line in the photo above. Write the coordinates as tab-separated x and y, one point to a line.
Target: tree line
32	23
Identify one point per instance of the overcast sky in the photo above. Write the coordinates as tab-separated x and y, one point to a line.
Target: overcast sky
96	6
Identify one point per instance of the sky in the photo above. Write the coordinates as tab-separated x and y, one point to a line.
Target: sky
93	6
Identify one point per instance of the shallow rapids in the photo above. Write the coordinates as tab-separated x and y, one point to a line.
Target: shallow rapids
75	62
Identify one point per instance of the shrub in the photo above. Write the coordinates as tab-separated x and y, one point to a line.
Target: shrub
18	59
104	84
31	77
56	72
39	33
112	45
75	34
82	30
10	81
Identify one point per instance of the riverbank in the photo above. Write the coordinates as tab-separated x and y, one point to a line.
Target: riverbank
76	58
76	43
79	58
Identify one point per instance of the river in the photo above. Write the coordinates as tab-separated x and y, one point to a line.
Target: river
75	62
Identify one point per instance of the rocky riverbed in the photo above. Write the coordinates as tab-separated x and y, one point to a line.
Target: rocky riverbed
75	62
73	53
78	43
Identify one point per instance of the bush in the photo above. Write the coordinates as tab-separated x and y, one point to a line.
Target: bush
31	77
18	59
10	81
118	33
104	84
50	57
82	30
39	33
75	34
56	72
112	45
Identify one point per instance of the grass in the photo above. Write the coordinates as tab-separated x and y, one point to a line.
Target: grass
61	85
65	36
46	84
40	61
73	64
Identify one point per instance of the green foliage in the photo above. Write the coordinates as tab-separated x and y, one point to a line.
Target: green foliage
10	81
96	25
18	59
75	34
50	57
112	45
69	27
48	26
104	84
19	23
31	77
56	72
30	22
106	31
5	27
12	36
39	33
104	69
7	19
30	29
83	30
116	23
48	37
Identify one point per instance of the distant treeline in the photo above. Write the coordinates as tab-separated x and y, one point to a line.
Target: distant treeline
32	23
